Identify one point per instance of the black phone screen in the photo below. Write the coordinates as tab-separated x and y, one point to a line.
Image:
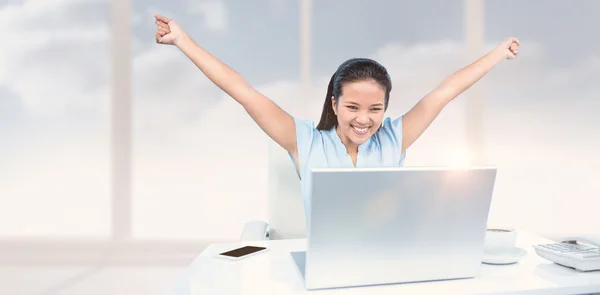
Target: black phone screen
239	252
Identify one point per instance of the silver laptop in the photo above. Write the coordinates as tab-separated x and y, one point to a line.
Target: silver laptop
372	226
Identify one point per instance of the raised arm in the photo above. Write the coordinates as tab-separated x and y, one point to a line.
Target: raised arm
274	121
418	119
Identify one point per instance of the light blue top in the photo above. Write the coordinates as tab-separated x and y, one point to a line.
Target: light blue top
324	149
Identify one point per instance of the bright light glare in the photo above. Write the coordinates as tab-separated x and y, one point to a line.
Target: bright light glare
461	157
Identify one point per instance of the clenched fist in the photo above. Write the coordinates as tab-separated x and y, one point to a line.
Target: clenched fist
509	48
168	31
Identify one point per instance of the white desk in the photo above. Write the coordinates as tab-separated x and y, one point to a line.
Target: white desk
275	272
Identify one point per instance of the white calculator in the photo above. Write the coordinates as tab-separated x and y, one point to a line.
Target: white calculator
580	253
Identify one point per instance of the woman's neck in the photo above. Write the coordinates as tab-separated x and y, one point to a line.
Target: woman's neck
351	147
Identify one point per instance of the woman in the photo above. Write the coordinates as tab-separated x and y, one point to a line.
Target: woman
353	131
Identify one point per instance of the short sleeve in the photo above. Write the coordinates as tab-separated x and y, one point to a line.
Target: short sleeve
393	128
305	132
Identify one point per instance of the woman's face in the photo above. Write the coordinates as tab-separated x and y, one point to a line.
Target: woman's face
359	111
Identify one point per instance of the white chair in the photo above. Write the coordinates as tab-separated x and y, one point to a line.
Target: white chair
286	209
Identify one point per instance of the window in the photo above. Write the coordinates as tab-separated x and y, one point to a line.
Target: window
200	162
541	115
54	98
195	166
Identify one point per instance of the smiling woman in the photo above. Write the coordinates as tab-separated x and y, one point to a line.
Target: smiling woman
352	131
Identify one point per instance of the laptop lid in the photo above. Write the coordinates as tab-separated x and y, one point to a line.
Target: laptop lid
390	225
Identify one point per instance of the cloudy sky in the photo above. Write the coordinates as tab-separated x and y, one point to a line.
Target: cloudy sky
192	142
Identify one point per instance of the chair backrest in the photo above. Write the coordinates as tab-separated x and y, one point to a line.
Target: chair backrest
286	208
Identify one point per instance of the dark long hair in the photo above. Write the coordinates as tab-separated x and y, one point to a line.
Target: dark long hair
352	70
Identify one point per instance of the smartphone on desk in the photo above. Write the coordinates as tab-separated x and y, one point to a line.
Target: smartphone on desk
242	252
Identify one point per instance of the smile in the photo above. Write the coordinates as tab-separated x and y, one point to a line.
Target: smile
360	130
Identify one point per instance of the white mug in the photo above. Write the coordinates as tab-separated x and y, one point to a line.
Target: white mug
499	240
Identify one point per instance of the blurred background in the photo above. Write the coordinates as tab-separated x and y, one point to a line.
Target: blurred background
111	143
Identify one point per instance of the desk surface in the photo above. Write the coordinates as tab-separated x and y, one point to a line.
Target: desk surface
275	272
